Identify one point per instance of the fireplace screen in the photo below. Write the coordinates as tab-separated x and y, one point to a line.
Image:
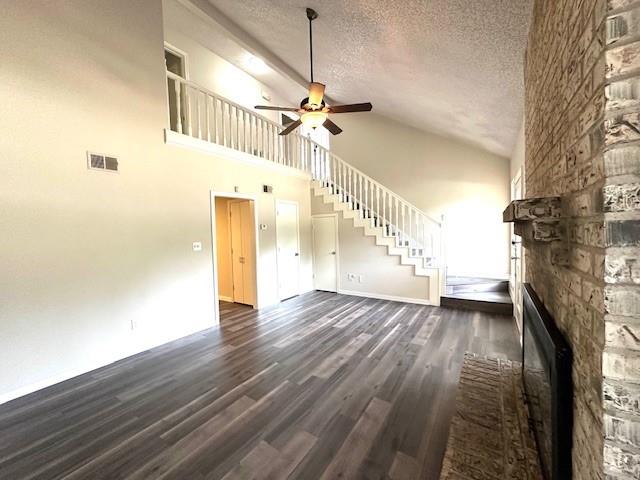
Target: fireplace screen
546	369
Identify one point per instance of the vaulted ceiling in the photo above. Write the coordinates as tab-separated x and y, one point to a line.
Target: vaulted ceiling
453	67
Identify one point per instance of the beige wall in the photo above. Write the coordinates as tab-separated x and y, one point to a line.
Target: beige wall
223	249
382	274
84	254
440	176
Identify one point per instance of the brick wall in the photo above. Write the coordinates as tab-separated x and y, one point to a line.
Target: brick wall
582	80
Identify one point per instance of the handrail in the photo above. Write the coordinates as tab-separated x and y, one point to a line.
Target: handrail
178	78
203	114
395	195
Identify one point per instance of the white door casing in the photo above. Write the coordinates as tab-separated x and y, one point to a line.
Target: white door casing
325	252
288	249
516	261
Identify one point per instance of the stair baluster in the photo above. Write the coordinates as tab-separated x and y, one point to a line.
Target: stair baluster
200	113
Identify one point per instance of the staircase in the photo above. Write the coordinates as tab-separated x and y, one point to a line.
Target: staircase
405	230
420	255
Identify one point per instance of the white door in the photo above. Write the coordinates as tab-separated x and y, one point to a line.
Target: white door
242	251
325	258
288	253
515	280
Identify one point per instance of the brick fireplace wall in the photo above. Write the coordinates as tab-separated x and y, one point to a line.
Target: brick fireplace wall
582	79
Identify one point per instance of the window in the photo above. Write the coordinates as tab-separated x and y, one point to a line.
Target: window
176	63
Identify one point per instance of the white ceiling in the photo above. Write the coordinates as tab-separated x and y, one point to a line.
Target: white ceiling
454	67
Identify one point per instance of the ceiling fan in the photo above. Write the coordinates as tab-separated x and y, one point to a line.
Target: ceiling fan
313	111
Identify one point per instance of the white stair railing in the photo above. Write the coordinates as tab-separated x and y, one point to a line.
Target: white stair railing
202	114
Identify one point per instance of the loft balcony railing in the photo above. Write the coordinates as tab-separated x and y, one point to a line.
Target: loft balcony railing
202	114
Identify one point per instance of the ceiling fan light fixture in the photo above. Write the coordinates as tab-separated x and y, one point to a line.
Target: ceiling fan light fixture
313	119
316	93
313	111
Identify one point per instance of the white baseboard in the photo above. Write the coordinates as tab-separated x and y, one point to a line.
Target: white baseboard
69	374
47	382
393	298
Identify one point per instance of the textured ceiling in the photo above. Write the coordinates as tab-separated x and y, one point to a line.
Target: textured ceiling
454	67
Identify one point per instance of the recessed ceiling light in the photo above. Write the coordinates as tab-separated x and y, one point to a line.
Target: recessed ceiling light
255	64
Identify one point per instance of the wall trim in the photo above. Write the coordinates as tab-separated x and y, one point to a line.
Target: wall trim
214	244
380	296
180	140
72	373
225	299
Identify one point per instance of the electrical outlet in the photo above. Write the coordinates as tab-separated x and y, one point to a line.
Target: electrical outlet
197	246
351	277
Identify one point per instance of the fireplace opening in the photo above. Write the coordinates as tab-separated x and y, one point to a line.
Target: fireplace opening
546	372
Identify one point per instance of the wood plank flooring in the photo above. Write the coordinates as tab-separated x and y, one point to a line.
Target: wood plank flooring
322	386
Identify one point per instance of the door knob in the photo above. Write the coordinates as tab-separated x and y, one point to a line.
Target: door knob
333	253
297	254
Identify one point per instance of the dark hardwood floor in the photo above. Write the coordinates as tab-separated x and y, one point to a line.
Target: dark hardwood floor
321	386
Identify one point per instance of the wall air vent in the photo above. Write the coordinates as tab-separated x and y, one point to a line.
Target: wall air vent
267	189
98	161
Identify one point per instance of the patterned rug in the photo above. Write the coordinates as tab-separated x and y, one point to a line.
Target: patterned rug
489	437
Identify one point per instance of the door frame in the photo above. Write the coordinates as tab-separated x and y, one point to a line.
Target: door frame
291	202
185	63
516	275
313	256
214	246
232	201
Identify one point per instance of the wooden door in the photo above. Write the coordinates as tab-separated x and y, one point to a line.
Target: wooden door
242	251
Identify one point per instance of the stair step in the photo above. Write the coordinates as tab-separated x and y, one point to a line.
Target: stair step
385	233
490	302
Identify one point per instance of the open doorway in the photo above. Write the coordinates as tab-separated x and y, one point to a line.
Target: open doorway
235	255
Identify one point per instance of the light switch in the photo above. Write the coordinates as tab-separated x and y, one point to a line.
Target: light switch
197	246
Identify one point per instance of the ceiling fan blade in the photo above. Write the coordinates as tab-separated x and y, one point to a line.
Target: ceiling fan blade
283	109
332	127
316	93
292	126
354	107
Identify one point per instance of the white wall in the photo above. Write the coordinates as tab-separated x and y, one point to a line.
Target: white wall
440	176
85	253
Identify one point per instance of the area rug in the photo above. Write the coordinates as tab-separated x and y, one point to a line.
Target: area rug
489	437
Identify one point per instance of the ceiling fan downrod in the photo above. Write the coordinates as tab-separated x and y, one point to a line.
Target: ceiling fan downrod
311	15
